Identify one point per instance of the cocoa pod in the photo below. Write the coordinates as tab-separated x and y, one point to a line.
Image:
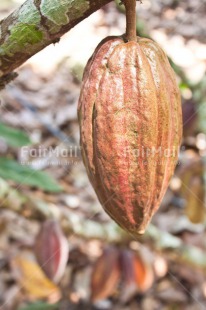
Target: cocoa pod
106	274
52	250
137	274
130	127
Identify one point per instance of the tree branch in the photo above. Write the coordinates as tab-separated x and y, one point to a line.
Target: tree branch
37	24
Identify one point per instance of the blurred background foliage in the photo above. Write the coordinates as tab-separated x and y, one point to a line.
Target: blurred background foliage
58	248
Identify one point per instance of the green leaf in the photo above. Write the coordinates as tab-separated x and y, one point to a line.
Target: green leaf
183	86
12	170
14	137
40	306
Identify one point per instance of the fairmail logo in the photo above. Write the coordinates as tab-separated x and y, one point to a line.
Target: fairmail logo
153	152
42	152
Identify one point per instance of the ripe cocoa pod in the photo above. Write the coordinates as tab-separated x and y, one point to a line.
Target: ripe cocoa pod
130	127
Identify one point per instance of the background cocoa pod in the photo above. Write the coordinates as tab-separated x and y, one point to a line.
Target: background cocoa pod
131	127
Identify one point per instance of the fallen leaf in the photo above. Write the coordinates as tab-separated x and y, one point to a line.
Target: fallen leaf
13	137
195	206
32	278
23	174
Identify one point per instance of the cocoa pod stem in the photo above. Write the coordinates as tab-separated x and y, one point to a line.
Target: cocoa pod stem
131	20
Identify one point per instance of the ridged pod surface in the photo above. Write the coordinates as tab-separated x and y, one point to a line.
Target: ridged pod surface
130	127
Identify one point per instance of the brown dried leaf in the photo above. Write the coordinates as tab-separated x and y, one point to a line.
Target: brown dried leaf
52	250
106	274
192	165
195	208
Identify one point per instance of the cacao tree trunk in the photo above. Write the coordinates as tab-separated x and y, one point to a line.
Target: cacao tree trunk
35	25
